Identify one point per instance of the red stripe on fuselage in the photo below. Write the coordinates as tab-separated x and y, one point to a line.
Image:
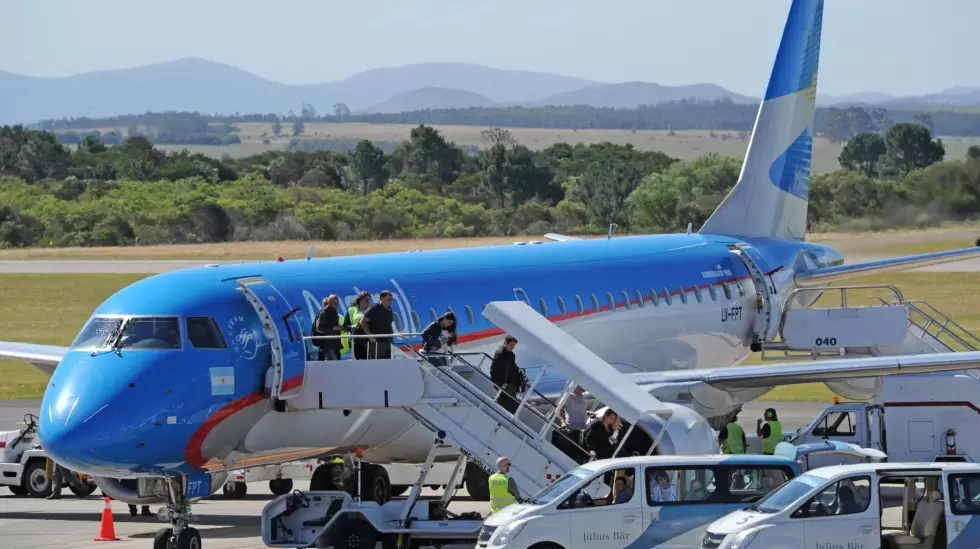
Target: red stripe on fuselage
193	454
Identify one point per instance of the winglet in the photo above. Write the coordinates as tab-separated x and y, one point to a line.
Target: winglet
560	237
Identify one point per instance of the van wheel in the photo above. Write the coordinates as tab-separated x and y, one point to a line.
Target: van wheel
36	481
18	490
281	486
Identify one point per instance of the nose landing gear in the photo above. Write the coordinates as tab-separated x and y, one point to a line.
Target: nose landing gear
178	511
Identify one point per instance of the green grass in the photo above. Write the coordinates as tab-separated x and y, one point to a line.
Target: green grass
47	309
685	144
51	309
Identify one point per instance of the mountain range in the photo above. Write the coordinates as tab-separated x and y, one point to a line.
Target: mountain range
204	86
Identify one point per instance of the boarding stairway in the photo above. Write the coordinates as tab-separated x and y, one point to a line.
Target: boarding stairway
879	326
457	401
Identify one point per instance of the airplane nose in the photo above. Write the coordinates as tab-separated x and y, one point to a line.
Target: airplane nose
98	416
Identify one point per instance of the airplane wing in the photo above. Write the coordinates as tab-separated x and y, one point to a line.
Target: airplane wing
826	275
735	378
45	357
560	237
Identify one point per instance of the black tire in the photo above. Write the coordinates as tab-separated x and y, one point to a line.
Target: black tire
18	491
189	538
234	490
323	477
281	486
162	538
399	489
376	486
477	483
355	534
35	481
83	492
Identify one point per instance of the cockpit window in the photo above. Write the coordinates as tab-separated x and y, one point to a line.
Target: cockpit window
150	333
203	333
96	333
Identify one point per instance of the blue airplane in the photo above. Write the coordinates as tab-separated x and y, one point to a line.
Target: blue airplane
168	376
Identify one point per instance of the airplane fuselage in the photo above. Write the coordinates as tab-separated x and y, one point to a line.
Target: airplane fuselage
643	304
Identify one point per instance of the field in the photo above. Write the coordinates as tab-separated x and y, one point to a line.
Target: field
685	145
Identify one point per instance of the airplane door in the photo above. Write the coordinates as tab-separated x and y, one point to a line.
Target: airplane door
281	326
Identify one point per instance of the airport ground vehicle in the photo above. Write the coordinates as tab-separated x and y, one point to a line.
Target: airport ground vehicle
280	477
840	506
22	463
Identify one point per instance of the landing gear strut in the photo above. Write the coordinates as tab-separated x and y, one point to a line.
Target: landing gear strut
178	511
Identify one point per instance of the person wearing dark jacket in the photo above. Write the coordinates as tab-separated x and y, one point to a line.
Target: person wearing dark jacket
597	438
506	375
377	322
432	338
328	324
352	321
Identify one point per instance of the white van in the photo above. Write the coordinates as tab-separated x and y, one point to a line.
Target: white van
655	501
841	507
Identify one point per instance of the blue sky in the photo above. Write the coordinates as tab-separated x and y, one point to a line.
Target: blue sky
896	46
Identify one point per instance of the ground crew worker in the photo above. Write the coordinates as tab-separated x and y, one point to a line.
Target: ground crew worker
503	489
352	322
505	374
732	437
771	433
59	475
329	323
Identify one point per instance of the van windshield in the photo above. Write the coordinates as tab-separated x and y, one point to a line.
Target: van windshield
568	481
785	495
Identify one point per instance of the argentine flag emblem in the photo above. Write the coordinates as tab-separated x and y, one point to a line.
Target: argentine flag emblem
222	381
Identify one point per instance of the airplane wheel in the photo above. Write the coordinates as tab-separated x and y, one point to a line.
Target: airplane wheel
356	534
281	486
82	492
234	490
477	483
162	538
189	538
36	481
326	477
376	484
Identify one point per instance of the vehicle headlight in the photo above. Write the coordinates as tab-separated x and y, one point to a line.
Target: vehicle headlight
507	534
742	539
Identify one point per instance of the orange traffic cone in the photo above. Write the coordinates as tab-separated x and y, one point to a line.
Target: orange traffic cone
107	531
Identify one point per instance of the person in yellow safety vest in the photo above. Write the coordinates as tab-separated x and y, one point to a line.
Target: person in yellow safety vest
352	321
731	438
503	489
771	433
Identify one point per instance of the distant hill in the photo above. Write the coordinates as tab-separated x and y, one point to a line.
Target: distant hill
629	95
198	85
430	98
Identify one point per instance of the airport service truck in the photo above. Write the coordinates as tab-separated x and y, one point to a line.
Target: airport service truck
22	464
913	418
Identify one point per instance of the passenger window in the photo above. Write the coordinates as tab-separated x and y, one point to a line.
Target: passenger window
665	486
667	297
469	315
681	293
964	493
542	306
561	306
752	483
203	333
151	333
579	304
653	298
639	298
416	321
697	293
396	322
521	295
597	494
713	292
836	424
727	290
611	301
741	289
841	498
595	304
433	315
626	300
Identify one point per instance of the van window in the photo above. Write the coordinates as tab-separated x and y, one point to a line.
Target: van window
850	496
964	493
596	493
752	482
787	494
695	484
203	333
836	424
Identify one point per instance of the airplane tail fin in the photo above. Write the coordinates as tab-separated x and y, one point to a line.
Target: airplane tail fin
771	196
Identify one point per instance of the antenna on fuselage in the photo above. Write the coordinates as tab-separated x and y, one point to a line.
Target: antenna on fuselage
309	254
689	227
612	227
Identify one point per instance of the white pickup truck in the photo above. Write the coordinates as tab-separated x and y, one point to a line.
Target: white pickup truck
22	463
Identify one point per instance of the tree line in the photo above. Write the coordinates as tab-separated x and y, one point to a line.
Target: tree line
834	123
93	194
